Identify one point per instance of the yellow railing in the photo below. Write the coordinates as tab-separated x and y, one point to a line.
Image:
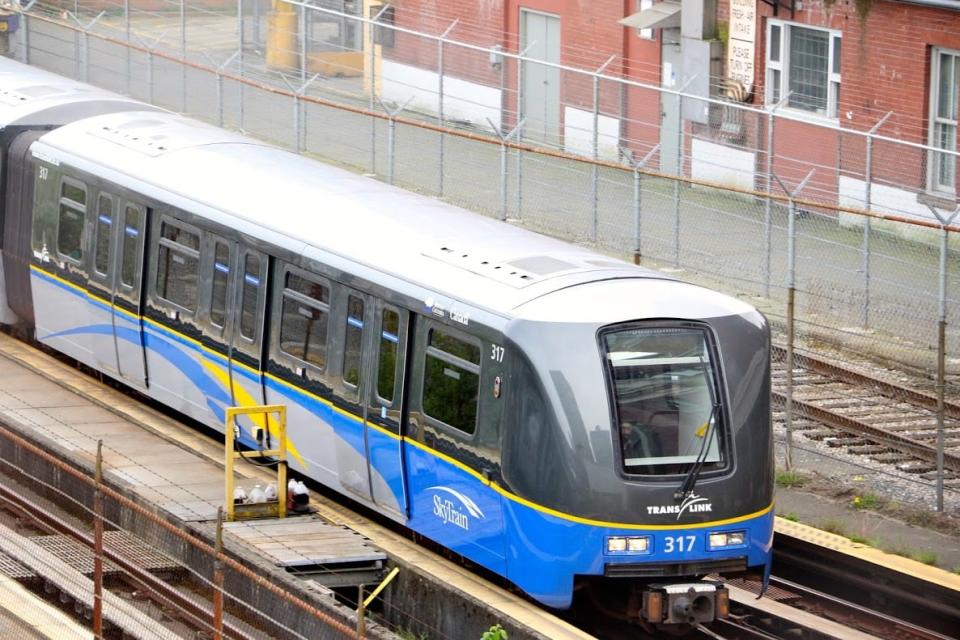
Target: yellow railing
263	509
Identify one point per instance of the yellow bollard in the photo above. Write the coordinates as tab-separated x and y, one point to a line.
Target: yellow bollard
282	49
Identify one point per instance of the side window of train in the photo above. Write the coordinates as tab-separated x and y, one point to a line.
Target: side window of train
218	282
250	296
387	367
134	215
104	227
304	318
73	210
178	264
451	379
353	341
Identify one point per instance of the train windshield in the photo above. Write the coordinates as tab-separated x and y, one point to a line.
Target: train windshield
664	387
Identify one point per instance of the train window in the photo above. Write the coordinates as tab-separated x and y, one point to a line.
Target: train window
451	381
249	296
303	322
101	257
73	209
353	341
389	340
663	382
221	270
178	263
133	222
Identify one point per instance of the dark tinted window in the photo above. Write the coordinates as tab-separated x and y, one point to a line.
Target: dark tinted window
221	270
129	271
178	264
663	385
101	258
451	381
389	341
353	341
73	201
303	323
251	289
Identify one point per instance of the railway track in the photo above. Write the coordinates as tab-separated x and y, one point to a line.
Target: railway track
149	586
891	424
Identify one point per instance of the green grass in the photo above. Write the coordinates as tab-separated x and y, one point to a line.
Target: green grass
790	479
926	557
867	502
791	516
861	539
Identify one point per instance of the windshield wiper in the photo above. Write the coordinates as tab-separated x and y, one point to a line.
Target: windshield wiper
691	480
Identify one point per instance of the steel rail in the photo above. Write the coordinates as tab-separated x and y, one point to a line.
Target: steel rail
925	452
856	615
198	615
919	398
922	603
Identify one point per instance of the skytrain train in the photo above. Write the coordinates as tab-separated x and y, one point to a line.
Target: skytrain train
566	420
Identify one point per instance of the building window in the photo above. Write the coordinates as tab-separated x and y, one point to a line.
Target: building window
645	34
944	89
804	65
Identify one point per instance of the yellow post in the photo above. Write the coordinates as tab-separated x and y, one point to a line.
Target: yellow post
280	453
282	50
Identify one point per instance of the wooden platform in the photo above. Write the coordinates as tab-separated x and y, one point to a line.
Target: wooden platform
332	555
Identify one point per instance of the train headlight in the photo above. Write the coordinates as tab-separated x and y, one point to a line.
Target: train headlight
628	544
727	539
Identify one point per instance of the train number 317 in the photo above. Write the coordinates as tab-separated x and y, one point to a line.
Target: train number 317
678	544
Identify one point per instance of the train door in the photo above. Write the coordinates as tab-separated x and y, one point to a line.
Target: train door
245	329
116	277
385	411
218	268
350	382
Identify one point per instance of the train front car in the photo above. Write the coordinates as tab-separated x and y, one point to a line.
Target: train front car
638	447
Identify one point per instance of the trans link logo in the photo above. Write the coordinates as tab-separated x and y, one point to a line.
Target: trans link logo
692	503
452	513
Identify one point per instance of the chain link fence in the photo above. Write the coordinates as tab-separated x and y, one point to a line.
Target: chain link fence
838	235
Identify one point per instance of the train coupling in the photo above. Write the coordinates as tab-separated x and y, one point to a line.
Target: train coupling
687	603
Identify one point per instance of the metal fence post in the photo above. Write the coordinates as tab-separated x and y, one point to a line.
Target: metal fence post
150	76
440	115
391	134
867	204
218	579
373	87
240	92
595	148
302	36
183	55
126	31
942	344
98	546
791	307
25	29
767	213
520	119
637	167
503	163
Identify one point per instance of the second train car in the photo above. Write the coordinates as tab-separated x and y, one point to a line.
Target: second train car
564	419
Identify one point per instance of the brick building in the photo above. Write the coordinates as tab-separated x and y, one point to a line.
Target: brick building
835	67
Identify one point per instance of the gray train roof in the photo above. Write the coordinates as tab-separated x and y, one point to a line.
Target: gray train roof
315	209
30	96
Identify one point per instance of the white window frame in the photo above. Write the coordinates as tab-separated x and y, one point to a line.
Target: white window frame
775	91
933	158
645	34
